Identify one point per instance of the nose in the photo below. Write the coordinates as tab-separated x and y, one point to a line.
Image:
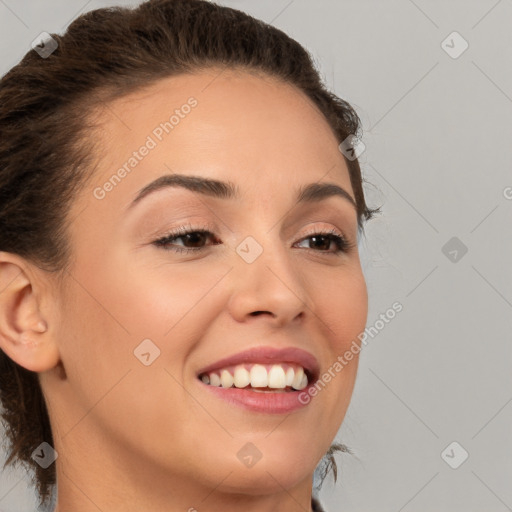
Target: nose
271	286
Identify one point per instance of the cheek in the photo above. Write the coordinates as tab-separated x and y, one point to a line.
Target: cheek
105	318
148	297
342	305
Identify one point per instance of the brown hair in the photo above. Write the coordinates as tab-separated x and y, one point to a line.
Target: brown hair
46	156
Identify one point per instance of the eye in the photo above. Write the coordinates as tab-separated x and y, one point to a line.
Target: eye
326	238
191	235
196	236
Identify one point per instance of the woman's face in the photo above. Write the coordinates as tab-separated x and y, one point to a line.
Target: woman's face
137	321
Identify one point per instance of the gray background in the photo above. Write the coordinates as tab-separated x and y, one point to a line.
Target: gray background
438	150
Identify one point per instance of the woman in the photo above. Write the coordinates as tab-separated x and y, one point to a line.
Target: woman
179	262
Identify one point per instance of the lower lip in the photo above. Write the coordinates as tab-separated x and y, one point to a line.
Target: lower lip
273	403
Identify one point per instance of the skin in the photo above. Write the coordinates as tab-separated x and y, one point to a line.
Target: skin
132	437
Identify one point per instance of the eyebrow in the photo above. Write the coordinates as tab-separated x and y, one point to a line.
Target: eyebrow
312	192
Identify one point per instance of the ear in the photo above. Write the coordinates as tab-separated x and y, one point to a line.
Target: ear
25	336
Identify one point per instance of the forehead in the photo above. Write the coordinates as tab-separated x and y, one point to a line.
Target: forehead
236	113
246	128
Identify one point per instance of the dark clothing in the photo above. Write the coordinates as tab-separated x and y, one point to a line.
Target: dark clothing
315	505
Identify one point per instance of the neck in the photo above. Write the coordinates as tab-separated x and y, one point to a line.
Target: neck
119	489
75	500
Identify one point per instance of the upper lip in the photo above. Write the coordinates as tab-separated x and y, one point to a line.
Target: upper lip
266	355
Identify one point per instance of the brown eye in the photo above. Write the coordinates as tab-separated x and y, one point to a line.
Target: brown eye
324	239
195	238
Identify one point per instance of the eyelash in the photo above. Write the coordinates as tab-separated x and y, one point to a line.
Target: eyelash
342	244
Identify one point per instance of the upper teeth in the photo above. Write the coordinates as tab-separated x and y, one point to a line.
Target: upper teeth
277	376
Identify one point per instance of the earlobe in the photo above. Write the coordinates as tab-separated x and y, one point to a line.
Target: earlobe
32	350
25	336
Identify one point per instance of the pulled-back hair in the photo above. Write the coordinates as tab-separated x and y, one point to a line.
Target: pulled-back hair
47	151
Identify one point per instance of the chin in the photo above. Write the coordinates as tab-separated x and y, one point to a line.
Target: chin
270	474
266	478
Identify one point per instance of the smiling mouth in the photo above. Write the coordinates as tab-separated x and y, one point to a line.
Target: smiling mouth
260	378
